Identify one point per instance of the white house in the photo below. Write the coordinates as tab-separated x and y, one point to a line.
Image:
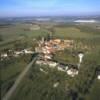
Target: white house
4	55
72	72
98	77
28	51
60	68
47	57
39	62
52	64
18	52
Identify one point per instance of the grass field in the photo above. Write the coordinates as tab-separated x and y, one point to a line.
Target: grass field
39	85
74	33
17	33
18	30
10	69
36	84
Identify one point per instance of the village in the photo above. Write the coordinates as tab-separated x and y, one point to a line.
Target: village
46	50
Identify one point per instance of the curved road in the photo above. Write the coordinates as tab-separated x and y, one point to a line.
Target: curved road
19	79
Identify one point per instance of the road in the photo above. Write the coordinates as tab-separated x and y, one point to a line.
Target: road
18	80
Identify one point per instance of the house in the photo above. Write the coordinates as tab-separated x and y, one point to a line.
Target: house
39	62
52	64
18	52
48	57
57	41
69	41
98	72
72	72
62	67
98	77
26	51
38	49
4	55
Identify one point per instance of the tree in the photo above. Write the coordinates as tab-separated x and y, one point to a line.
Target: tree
52	32
1	38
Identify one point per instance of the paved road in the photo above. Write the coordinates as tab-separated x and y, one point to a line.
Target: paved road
19	79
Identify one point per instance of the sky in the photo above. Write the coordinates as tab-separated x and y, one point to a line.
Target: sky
48	7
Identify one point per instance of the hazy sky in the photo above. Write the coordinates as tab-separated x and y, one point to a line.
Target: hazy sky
48	7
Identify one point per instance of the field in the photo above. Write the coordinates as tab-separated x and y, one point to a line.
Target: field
73	32
19	30
38	85
10	69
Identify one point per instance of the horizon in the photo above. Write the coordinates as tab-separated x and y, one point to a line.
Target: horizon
29	8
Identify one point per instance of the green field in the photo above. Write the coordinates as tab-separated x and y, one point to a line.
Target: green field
19	30
73	32
39	86
10	69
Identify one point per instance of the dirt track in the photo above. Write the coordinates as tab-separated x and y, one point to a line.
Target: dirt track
18	80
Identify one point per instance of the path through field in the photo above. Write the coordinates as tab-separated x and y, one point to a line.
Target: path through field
19	79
